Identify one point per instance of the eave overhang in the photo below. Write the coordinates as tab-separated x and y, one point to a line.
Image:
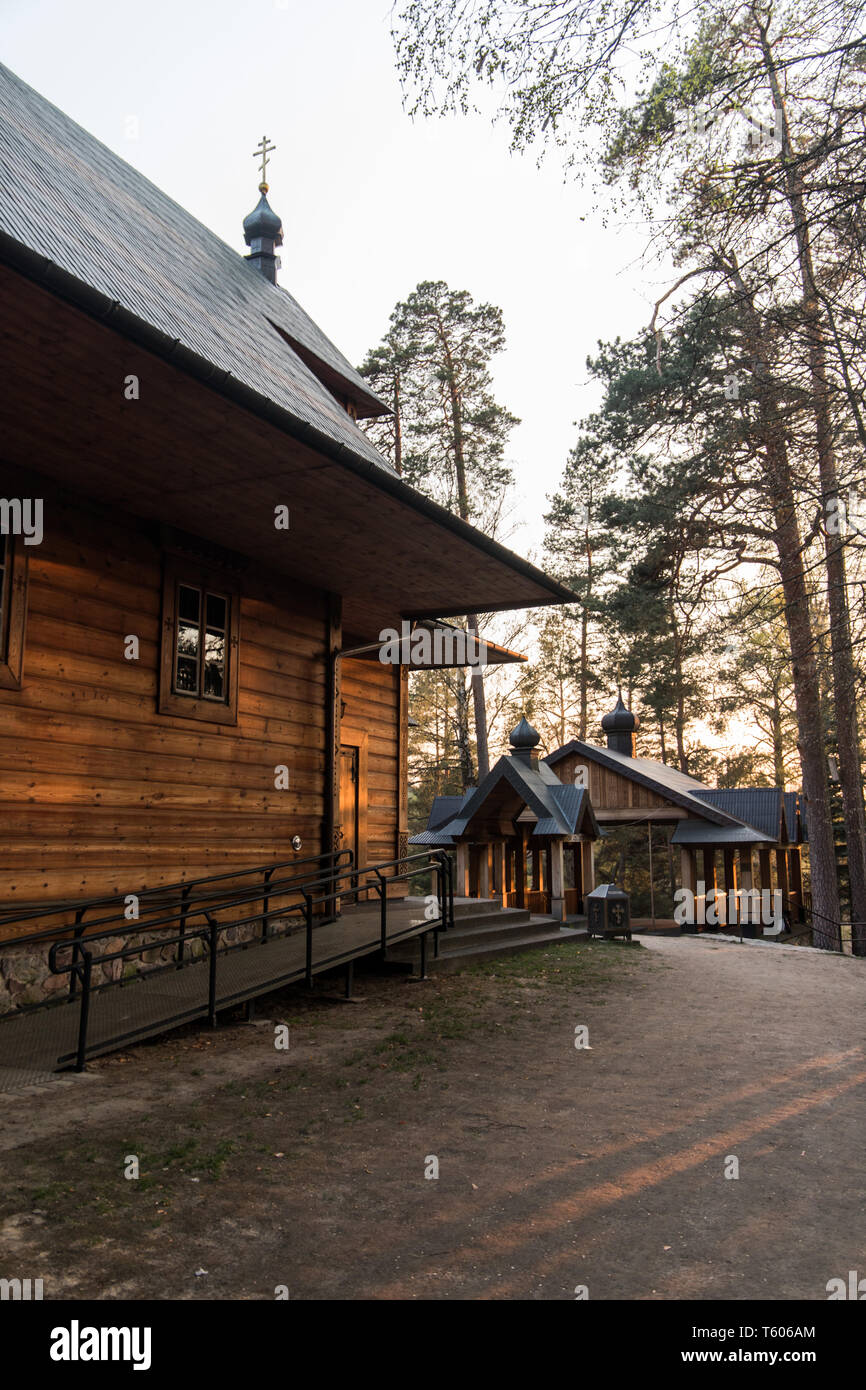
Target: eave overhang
207	454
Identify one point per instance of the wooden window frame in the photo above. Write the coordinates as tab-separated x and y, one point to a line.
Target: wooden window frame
13	617
179	570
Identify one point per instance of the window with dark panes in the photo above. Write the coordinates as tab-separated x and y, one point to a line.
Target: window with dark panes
199	644
202	638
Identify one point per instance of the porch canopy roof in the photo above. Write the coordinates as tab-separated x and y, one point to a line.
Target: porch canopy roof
701	832
714	815
240	405
511	788
451	647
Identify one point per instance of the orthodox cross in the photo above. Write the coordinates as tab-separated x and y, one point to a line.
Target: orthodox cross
262	150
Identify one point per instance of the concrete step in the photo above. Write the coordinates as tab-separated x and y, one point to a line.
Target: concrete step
465	907
475	907
489	921
455	958
486	936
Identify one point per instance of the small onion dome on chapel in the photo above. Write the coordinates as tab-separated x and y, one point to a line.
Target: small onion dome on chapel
620	720
620	727
524	737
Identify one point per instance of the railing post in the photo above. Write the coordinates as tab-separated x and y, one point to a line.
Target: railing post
308	913
76	938
184	910
84	1016
212	969
266	902
383	910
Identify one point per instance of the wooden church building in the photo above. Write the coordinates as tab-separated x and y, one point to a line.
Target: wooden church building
731	840
529	833
522	835
199	547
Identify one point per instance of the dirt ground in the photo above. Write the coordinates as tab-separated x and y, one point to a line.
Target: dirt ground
301	1172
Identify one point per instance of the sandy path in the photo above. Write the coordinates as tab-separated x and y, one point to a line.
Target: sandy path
558	1166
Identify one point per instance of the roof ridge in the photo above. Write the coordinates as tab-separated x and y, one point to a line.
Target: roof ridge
171	215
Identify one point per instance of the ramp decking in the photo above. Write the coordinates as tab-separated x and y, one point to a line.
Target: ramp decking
35	1044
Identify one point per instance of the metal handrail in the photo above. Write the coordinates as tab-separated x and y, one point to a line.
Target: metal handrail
183	900
182	884
83	955
858	932
286	886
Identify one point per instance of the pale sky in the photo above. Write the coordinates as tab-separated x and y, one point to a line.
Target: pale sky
371	202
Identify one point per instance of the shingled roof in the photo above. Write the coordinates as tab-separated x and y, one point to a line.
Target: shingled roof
559	809
667	781
69	207
760	807
736	815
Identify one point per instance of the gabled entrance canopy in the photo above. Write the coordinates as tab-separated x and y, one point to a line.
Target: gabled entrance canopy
725	825
511	830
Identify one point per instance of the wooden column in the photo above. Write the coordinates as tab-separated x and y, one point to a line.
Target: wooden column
708	855
557	881
688	876
330	840
782	876
537	884
578	874
333	639
461	886
731	917
484	872
796	893
750	918
588	856
402	763
499	867
520	868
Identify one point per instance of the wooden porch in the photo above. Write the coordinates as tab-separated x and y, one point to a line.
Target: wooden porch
551	879
35	1044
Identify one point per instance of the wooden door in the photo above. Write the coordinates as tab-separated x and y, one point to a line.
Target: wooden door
349	803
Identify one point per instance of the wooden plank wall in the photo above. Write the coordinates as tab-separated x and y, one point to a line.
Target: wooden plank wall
98	792
371	701
608	790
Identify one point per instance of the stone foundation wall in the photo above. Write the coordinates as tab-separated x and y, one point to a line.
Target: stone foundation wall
26	978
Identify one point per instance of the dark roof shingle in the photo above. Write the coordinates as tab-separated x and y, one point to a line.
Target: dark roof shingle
70	200
760	807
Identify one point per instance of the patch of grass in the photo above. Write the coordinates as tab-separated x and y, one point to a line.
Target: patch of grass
213	1163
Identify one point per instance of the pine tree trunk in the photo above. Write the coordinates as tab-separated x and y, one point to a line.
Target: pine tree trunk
810	740
477	682
680	722
804	668
398	423
584	637
776	730
584	676
461	729
479	706
842	661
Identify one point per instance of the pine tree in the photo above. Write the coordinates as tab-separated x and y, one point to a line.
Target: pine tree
448	434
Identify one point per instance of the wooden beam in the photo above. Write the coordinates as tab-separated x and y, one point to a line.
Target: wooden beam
557	881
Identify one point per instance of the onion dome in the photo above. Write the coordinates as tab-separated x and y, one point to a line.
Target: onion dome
263	233
620	726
